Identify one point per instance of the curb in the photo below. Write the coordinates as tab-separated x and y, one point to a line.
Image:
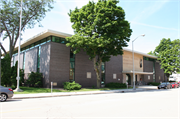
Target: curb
74	94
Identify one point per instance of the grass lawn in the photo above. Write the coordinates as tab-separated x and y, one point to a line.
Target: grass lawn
29	90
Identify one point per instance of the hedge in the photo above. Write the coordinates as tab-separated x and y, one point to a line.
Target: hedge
115	85
71	86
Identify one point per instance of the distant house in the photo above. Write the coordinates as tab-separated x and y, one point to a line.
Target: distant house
48	54
176	76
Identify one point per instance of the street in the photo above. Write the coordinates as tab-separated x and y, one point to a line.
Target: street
153	104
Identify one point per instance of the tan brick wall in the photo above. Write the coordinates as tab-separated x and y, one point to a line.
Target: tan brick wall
128	62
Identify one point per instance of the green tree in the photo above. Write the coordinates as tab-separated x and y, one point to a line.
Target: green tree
6	70
152	53
33	11
100	30
168	53
14	75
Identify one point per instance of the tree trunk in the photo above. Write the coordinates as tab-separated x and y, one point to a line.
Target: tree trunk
98	80
167	77
97	66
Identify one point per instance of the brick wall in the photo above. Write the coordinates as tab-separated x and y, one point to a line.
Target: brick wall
16	59
114	66
82	66
30	62
148	67
45	63
59	64
159	73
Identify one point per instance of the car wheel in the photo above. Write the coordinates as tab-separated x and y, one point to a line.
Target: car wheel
3	97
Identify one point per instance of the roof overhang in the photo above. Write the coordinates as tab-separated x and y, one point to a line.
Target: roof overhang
49	32
42	35
136	72
140	53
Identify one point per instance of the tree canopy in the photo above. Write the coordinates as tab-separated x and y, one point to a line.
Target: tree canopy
168	53
100	30
33	11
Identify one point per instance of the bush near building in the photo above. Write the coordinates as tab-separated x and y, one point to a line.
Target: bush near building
115	85
153	83
35	79
71	86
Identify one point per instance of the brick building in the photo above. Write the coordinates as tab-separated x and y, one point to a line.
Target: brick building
48	54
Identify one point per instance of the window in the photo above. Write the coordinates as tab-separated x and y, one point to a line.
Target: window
140	63
49	39
89	75
38	58
24	58
102	73
72	65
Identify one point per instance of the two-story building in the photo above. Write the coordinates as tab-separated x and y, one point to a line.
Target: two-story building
48	54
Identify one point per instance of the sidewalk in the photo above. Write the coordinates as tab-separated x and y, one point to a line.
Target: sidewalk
57	94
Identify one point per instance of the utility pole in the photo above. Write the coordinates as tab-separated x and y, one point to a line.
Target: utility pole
18	77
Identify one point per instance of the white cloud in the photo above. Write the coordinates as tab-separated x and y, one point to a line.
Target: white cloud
147	12
153	26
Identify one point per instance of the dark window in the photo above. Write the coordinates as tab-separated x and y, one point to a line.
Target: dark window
102	73
38	60
140	63
24	58
72	65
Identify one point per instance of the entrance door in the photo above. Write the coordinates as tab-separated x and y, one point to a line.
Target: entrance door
128	78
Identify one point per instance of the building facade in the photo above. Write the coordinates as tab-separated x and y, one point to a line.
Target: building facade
47	53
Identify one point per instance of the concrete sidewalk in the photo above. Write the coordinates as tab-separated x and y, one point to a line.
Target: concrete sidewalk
57	94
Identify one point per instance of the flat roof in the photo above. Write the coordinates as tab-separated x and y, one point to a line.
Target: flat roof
42	35
49	32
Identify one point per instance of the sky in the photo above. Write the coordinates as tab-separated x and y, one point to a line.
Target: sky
157	19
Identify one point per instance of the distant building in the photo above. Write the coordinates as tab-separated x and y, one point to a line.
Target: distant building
48	54
176	76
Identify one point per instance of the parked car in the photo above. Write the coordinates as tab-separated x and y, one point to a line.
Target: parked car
5	93
174	85
178	85
165	85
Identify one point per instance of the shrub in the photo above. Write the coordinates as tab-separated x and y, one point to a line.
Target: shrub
71	86
115	85
35	80
153	83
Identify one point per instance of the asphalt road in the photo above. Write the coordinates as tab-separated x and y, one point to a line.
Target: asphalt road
156	104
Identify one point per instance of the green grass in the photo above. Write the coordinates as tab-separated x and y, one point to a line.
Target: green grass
30	90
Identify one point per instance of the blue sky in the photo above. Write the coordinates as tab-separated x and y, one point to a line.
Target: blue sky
156	19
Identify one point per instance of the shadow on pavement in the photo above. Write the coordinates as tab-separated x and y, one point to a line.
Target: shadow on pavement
152	90
12	100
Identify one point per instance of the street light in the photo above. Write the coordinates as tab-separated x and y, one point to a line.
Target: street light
18	77
134	87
